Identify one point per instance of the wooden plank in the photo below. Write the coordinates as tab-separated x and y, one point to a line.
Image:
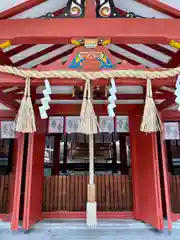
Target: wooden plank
56	193
1	192
51	203
177	192
111	191
115	192
80	193
5	198
126	187
68	195
72	192
76	193
99	190
63	192
44	194
60	194
48	194
120	192
84	193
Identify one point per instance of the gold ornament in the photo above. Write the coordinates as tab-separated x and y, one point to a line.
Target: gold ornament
5	44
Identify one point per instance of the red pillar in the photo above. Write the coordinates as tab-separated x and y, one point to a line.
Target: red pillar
16	178
34	176
56	157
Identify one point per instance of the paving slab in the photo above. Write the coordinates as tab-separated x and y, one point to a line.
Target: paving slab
77	230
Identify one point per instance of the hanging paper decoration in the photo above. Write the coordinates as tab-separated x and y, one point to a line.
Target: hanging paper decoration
171	131
112	98
45	100
122	124
56	124
106	124
7	129
73	124
177	92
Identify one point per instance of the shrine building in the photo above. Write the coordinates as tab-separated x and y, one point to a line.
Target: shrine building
89	111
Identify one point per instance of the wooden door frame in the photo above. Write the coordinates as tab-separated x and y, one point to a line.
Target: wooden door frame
17	183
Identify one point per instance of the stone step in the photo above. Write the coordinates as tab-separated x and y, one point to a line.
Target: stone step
101	224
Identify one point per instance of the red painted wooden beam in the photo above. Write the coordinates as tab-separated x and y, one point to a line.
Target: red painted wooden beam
20	8
100	109
161	7
90	9
9	80
170	115
7	114
69	96
8	101
60	30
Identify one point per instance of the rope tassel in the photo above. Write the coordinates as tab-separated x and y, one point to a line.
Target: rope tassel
151	121
89	123
25	119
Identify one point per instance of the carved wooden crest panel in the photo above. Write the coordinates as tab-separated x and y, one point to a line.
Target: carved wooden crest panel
56	124
122	124
7	129
106	124
171	131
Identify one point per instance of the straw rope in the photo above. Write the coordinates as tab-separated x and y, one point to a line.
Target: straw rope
151	121
91	159
143	74
88	119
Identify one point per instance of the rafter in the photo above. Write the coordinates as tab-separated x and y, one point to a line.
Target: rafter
61	31
121	57
17	49
8	101
161	7
175	61
166	103
4	60
57	57
160	49
142	54
37	55
20	8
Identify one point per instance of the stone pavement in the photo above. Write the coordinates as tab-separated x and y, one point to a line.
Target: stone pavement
71	230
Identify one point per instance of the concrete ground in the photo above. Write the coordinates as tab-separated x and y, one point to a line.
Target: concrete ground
106	230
